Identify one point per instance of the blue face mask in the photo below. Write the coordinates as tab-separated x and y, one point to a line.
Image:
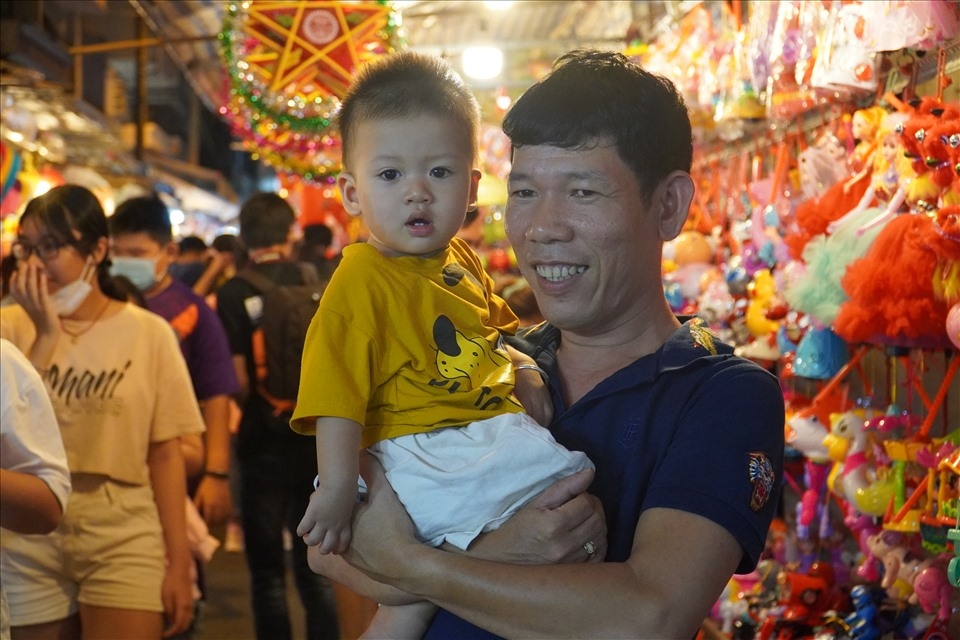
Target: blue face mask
142	272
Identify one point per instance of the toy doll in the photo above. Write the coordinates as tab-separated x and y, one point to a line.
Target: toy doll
865	124
818	292
902	289
814	215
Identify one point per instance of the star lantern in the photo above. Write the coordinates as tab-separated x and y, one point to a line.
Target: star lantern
288	65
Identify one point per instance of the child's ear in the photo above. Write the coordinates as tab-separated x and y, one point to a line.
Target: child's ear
348	193
671	203
474	189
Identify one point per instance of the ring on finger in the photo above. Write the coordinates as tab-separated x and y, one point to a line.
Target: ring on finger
591	548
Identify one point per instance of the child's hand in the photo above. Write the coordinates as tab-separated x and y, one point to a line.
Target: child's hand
327	521
532	392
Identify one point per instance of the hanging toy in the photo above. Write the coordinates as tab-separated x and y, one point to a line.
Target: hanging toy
854	477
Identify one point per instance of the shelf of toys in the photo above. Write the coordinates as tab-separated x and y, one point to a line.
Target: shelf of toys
824	243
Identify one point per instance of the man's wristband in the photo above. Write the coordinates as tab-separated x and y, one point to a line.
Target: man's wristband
533	367
222	475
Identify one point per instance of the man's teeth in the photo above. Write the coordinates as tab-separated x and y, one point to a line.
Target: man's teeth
555	272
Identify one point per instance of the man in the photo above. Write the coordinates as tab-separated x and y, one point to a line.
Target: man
686	437
191	260
277	466
143	251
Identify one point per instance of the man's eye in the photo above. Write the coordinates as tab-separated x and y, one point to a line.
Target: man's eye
521	193
583	193
389	174
440	172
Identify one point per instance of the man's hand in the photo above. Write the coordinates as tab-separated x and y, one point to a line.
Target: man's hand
213	500
380	518
553	528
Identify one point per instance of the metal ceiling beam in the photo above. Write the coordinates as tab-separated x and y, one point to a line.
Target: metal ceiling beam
120	45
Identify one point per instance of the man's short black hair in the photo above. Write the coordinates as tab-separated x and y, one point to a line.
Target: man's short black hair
594	96
265	220
192	244
145	214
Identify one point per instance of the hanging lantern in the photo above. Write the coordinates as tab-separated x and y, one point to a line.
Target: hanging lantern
291	62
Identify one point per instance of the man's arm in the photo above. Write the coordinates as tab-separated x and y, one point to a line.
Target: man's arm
213	493
664	590
240	368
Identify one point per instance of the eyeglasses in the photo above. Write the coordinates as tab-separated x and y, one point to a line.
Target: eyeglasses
46	249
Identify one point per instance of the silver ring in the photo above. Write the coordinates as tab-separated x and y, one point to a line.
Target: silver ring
591	548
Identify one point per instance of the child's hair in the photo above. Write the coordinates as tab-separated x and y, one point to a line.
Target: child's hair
146	214
407	84
600	96
71	208
265	220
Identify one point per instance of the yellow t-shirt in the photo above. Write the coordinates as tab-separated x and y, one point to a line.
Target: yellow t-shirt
406	345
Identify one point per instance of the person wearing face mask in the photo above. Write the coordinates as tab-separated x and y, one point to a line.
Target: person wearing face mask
118	565
142	250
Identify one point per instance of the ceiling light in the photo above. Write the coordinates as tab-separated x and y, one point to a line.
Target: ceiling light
482	63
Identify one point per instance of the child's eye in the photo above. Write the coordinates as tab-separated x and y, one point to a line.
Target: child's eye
440	172
389	174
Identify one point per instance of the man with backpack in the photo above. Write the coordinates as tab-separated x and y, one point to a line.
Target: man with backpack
263	309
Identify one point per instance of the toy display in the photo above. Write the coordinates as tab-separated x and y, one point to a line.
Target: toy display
834	261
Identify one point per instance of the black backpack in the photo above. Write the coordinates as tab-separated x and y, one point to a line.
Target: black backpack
278	338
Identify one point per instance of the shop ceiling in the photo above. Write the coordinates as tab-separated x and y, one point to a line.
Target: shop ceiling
531	34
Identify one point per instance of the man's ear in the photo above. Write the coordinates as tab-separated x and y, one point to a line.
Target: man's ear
671	201
348	193
474	189
172	251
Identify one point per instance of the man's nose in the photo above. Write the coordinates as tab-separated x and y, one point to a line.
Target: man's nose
547	223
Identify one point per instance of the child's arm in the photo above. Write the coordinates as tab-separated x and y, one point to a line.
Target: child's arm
531	387
327	520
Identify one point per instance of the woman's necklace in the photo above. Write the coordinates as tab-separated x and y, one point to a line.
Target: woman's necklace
75	335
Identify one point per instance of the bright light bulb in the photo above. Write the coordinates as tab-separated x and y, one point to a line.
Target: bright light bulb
482	63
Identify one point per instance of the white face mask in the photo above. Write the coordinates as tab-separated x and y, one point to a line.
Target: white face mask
69	297
140	271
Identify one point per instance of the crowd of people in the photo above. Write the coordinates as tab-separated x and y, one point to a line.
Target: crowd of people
668	448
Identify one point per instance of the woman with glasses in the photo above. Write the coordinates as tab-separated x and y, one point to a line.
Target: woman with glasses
118	566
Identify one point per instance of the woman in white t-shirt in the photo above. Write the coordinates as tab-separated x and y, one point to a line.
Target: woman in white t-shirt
118	565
